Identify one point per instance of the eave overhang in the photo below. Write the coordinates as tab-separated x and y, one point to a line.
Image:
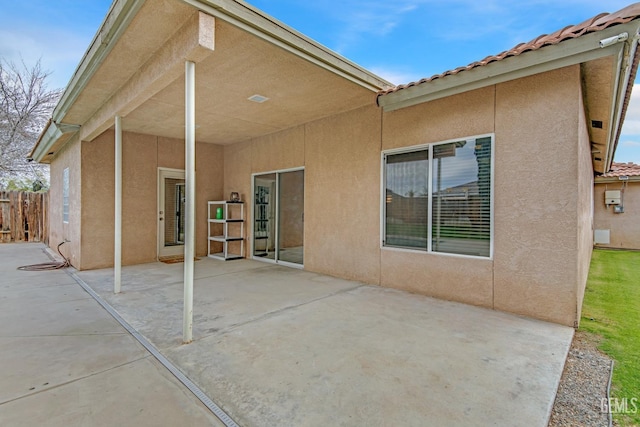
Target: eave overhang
52	138
115	23
569	52
256	22
615	179
88	111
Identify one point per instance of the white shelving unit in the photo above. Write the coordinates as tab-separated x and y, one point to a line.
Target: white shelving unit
225	228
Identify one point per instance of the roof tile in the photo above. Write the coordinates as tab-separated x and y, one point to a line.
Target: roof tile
596	23
623	169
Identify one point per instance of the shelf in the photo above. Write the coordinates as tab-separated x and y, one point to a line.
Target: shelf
229	257
218	229
225	239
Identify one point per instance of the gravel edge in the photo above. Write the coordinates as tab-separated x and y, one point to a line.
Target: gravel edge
583	385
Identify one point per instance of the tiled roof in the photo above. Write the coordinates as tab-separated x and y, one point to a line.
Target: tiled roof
623	169
597	23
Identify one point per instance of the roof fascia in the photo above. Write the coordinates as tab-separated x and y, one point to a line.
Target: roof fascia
120	14
259	24
615	179
49	136
566	53
622	82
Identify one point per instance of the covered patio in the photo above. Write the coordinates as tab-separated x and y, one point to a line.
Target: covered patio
280	346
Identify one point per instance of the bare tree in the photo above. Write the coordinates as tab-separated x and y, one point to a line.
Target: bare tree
25	106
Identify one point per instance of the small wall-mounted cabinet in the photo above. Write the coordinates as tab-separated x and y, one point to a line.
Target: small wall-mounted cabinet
225	230
612	197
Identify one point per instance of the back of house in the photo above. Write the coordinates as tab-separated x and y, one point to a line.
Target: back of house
474	185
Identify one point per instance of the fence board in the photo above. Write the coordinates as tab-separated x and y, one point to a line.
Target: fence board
23	217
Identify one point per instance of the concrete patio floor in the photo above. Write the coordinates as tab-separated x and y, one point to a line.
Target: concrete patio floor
66	362
276	346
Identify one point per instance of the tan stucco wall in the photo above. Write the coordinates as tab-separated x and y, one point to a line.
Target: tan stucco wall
585	208
536	196
542	218
342	205
542	199
624	228
461	279
59	231
341	157
141	157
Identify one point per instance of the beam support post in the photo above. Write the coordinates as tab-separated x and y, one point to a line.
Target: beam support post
190	202
117	244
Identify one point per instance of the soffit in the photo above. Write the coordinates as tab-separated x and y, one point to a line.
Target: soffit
154	24
243	65
598	82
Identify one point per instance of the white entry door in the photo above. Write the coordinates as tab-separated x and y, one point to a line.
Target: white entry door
171	213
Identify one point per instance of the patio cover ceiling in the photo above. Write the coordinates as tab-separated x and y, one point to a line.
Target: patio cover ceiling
135	68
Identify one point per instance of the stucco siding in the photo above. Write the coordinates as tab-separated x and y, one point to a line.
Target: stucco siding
342	197
467	114
141	157
456	278
585	208
282	150
98	179
536	197
624	228
60	231
341	157
542	197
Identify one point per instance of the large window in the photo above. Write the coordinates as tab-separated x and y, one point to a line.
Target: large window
438	197
65	195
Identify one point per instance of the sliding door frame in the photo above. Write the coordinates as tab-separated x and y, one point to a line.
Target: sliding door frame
276	259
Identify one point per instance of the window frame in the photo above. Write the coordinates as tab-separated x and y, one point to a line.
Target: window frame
65	195
429	146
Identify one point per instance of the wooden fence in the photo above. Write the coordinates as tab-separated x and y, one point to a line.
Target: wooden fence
24	217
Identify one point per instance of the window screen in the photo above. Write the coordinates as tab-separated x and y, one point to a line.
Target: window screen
455	210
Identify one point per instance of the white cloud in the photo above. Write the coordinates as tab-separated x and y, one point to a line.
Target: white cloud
631	124
362	18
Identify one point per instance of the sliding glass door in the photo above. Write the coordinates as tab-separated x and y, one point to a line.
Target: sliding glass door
278	217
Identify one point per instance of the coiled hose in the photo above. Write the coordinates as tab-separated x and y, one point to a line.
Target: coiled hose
48	265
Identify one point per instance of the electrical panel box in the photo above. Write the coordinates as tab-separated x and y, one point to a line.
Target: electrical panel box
612	197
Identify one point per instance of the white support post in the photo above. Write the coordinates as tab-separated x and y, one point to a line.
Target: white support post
190	202
117	244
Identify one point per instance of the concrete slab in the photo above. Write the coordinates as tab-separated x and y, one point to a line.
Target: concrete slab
33	364
225	295
44	295
278	346
66	362
378	357
141	393
77	317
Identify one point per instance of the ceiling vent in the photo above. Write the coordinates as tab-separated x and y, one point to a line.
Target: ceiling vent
258	98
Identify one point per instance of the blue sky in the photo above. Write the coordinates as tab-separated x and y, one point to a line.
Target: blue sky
401	40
